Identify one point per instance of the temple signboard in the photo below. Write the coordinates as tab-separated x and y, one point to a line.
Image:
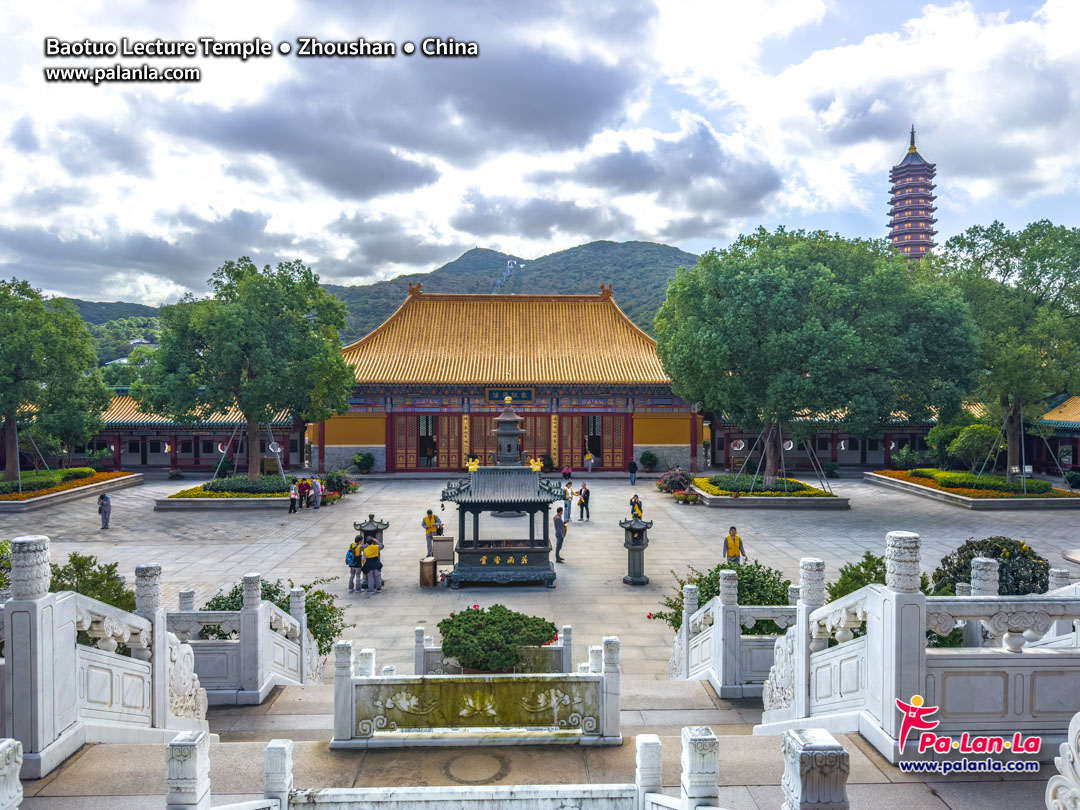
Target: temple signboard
516	395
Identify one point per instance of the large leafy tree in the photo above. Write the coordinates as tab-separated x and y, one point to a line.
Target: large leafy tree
1023	288
788	325
266	341
48	370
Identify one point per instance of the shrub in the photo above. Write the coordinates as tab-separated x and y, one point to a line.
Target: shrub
743	483
83	574
672	480
487	638
648	459
906	458
974	444
240	483
548	463
336	481
1073	478
758	585
1022	571
96	478
923	473
941	436
364	462
325	619
5	564
45	479
997	483
832	469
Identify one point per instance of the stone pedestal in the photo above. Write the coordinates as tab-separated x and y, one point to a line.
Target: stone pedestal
816	770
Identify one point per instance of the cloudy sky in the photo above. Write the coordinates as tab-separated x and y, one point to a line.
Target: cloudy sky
677	121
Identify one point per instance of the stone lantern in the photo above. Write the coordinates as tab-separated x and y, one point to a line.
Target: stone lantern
636	541
373	527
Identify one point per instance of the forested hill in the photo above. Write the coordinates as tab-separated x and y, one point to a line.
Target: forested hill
103	311
474	271
639	272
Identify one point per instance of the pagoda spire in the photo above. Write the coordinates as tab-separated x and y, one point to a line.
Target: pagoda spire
911	204
912	147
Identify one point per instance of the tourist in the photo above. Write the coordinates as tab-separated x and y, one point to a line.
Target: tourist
354	558
568	498
372	566
589	459
632	469
583	503
733	546
431	524
567	471
560	534
104	507
635	506
293	495
316	488
304	489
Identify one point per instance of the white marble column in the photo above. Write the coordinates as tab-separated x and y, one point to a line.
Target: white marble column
612	688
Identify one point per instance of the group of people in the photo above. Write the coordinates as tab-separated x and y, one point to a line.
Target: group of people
308	491
365	564
583	496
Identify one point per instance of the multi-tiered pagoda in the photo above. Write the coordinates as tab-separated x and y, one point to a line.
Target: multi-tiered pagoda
911	217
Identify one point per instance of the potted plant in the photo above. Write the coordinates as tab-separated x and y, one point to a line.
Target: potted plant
364	462
648	460
486	640
690	497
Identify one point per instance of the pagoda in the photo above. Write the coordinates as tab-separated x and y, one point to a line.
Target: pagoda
911	217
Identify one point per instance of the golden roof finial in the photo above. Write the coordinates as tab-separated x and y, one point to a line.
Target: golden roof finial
606	291
414	289
508	400
912	147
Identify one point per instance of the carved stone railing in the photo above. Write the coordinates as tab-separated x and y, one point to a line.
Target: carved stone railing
188	625
1016	619
838	620
11	759
782	615
284	624
390	710
111	627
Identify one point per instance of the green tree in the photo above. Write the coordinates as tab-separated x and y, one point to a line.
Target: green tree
780	326
124	375
941	435
268	340
974	443
1024	291
47	368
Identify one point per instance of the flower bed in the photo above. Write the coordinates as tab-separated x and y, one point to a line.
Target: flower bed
202	492
922	479
73	483
797	489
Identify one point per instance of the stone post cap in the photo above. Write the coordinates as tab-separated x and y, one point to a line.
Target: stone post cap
147	589
700	760
793	592
147	570
278	765
985	577
365	664
343	658
186	599
567	632
812	581
647	759
729	588
902	562
11	759
30	571
418	636
817	739
963	589
297	602
816	770
252	590
1059	578
611	650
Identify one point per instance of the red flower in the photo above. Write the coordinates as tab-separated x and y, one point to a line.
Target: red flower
475	607
648	616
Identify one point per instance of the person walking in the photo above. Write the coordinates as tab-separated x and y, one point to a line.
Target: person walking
317	489
560	534
733	546
354	558
372	566
589	459
635	506
568	498
293	495
431	524
583	503
632	469
104	507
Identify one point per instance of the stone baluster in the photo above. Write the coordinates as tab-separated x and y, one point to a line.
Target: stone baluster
596	659
612	689
419	665
972	629
816	769
647	775
298	605
700	767
278	771
793	592
186	600
344	691
902	553
963	589
985	579
365	663
1059	578
148	606
252	591
727	635
690	602
690	607
567	639
11	760
30	567
187	771
298	611
812	594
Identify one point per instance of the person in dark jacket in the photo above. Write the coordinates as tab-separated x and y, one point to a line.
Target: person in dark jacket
560	534
583	503
104	507
632	469
372	566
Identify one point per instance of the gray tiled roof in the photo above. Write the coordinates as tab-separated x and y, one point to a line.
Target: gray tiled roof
500	485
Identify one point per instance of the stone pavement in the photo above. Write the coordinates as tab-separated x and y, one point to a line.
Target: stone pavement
208	551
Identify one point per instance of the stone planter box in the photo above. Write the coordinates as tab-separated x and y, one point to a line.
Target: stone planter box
40	502
219	504
977	504
757	502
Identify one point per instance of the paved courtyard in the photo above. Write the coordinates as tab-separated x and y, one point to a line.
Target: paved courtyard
208	551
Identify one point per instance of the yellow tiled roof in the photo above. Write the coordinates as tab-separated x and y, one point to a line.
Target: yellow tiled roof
506	339
123	410
1067	411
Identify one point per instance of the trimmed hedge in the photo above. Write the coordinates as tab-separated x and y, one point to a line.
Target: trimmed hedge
44	479
487	639
268	484
995	483
728	483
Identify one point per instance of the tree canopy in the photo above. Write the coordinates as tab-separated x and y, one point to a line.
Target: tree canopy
1023	288
267	340
783	327
48	371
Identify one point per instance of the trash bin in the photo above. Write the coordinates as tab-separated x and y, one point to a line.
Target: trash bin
427	572
443	547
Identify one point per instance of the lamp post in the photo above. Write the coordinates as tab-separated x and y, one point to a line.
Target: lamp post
636	540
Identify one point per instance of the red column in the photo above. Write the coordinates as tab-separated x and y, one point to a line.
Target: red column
835	446
727	450
322	447
1076	453
173	449
285	450
116	453
693	442
888	450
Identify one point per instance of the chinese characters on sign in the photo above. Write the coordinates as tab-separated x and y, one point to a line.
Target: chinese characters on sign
515	394
509	560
